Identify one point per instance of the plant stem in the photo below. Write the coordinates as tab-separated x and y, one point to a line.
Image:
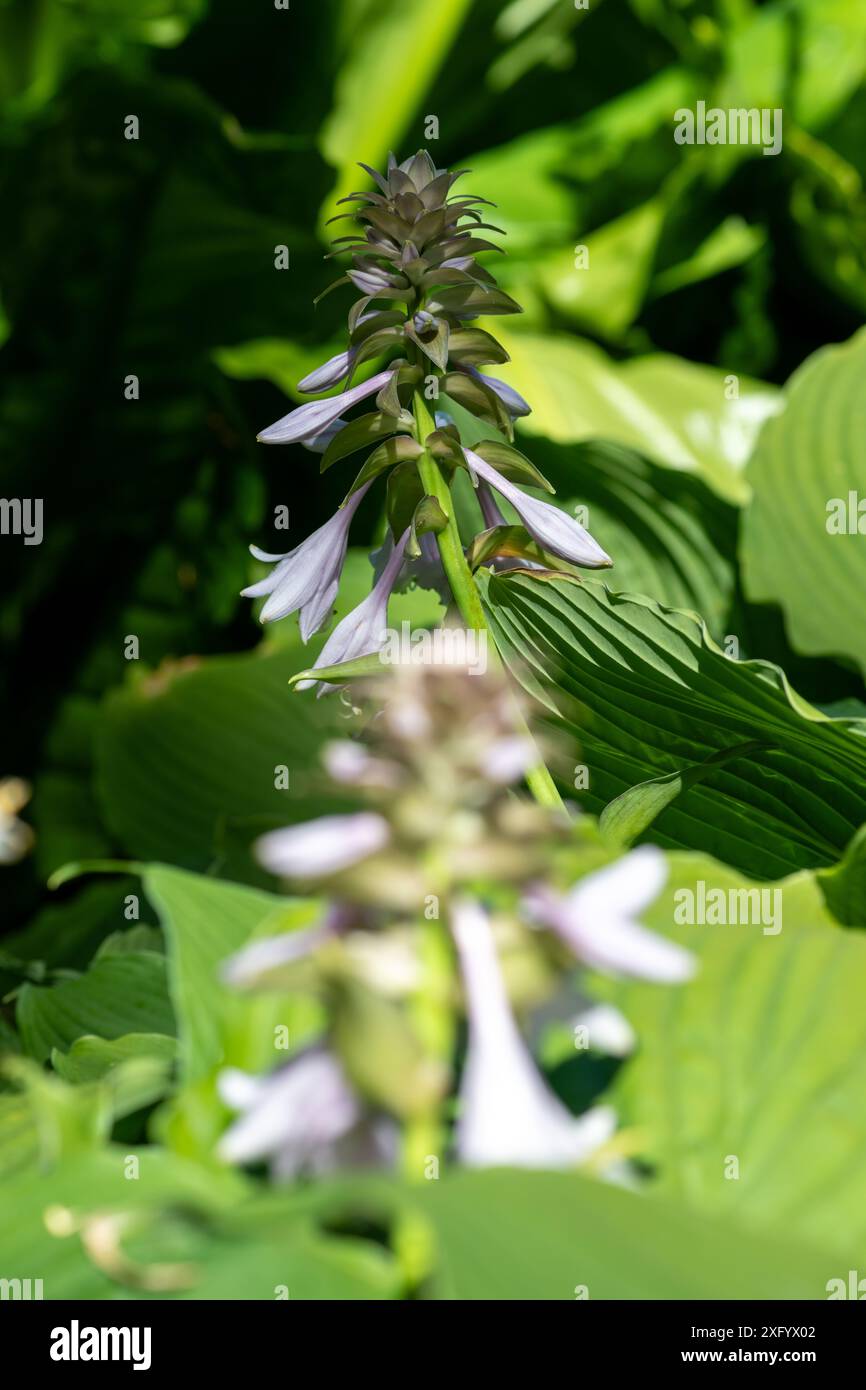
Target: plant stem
433	1012
463	586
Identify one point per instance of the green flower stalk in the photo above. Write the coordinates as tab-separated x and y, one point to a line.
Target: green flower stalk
414	258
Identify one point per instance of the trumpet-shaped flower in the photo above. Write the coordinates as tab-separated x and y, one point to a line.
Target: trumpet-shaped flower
307	422
305	1118
363	631
307	577
553	528
597	919
508	1114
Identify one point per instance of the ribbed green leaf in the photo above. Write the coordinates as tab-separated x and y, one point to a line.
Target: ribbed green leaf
761	1060
804	534
680	414
205	922
117	995
528	1236
187	763
642	691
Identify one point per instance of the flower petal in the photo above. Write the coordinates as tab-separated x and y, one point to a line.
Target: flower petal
553	528
595	919
364	629
329	374
307	577
511	399
627	886
322	846
508	1115
295	1114
307	422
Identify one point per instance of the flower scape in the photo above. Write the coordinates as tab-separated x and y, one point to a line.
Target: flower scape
414	259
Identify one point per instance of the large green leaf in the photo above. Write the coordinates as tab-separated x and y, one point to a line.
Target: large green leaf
409	39
643	691
527	1236
135	1067
760	1059
670	536
605	295
680	414
543	182
206	921
844	886
118	994
185	1225
812	456
189	759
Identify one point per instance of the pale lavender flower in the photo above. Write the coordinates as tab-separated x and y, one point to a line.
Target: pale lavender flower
493	517
372	280
307	422
331	373
509	1117
322	846
607	1030
307	577
305	1118
364	630
511	399
350	764
509	758
597	919
318	443
553	528
489	506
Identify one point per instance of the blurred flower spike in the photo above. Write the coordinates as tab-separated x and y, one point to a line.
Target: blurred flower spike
453	918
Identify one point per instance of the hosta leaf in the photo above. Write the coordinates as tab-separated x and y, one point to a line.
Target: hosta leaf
505	1235
844	886
206	921
759	1062
117	995
641	691
803	542
630	814
165	792
678	413
134	1068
